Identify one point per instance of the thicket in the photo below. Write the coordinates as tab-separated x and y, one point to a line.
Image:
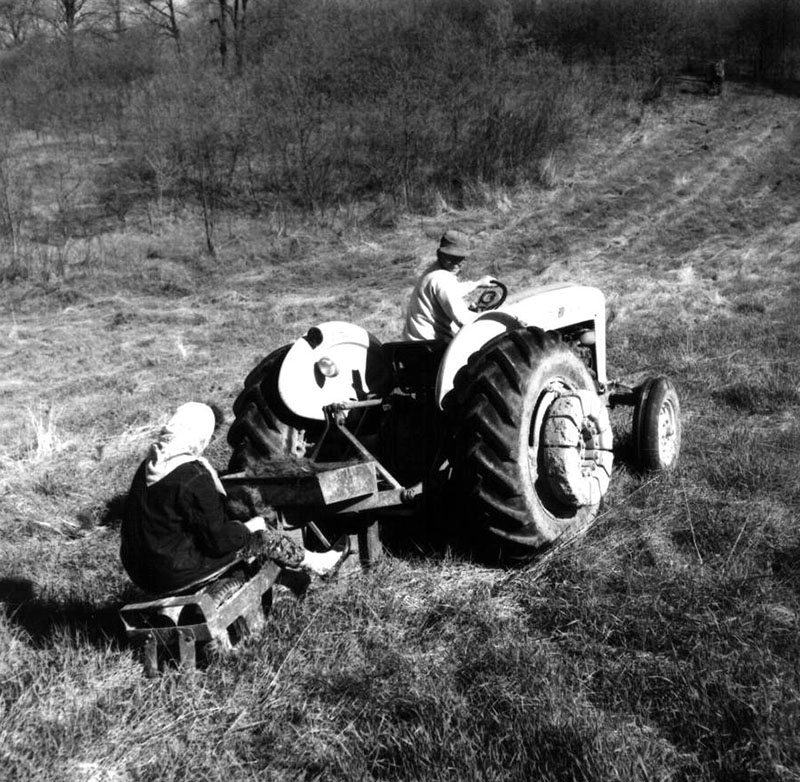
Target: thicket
309	104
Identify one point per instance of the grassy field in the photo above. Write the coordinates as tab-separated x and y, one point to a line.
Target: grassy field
664	645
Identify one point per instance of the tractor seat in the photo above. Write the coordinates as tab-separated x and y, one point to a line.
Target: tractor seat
415	364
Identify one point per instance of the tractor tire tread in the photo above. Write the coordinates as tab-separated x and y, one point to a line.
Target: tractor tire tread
264	428
487	416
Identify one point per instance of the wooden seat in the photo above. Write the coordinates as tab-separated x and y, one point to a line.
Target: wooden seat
218	612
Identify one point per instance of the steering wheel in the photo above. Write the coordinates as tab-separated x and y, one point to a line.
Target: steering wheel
487	297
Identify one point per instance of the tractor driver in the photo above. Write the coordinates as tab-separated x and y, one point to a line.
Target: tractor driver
437	309
176	532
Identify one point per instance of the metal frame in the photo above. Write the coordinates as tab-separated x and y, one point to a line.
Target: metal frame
340	488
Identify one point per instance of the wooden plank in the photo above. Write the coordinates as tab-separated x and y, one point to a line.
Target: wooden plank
157	623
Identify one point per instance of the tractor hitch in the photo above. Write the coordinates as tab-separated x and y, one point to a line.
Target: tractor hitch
621	395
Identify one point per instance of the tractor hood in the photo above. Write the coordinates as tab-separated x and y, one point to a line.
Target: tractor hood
553	307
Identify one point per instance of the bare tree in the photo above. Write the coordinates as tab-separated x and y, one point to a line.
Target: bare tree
67	16
18	18
164	15
15	195
232	15
116	16
221	23
238	9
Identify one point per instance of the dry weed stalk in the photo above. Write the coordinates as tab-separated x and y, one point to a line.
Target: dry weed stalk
47	440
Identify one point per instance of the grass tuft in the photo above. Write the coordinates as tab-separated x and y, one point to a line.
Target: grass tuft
46	439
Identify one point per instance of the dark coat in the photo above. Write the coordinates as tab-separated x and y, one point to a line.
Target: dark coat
175	532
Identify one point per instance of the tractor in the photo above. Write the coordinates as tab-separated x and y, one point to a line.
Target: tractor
505	429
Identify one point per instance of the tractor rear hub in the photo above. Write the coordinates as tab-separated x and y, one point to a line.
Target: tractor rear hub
577	448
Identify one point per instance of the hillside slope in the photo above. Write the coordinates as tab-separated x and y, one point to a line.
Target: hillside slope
663	645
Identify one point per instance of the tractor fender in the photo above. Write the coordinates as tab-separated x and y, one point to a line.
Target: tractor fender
469	340
333	362
577	448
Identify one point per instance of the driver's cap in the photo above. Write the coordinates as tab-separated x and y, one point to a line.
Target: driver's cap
454	243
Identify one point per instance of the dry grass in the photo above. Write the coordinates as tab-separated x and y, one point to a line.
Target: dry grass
661	645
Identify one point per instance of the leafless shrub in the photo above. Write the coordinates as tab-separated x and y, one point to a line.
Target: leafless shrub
15	196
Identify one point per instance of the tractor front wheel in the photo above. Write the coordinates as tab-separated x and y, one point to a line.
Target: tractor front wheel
657	425
532	449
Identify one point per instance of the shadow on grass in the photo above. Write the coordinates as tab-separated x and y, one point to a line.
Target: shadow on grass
625	452
452	537
445	529
48	621
785	567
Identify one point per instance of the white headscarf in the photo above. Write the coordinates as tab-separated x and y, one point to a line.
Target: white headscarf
183	439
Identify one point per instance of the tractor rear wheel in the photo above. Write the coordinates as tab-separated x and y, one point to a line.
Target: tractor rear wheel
263	429
532	451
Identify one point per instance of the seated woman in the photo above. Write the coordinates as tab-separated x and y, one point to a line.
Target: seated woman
175	531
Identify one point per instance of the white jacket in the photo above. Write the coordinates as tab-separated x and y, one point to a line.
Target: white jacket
437	309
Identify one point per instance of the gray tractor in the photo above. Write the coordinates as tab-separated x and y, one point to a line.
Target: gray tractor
504	430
